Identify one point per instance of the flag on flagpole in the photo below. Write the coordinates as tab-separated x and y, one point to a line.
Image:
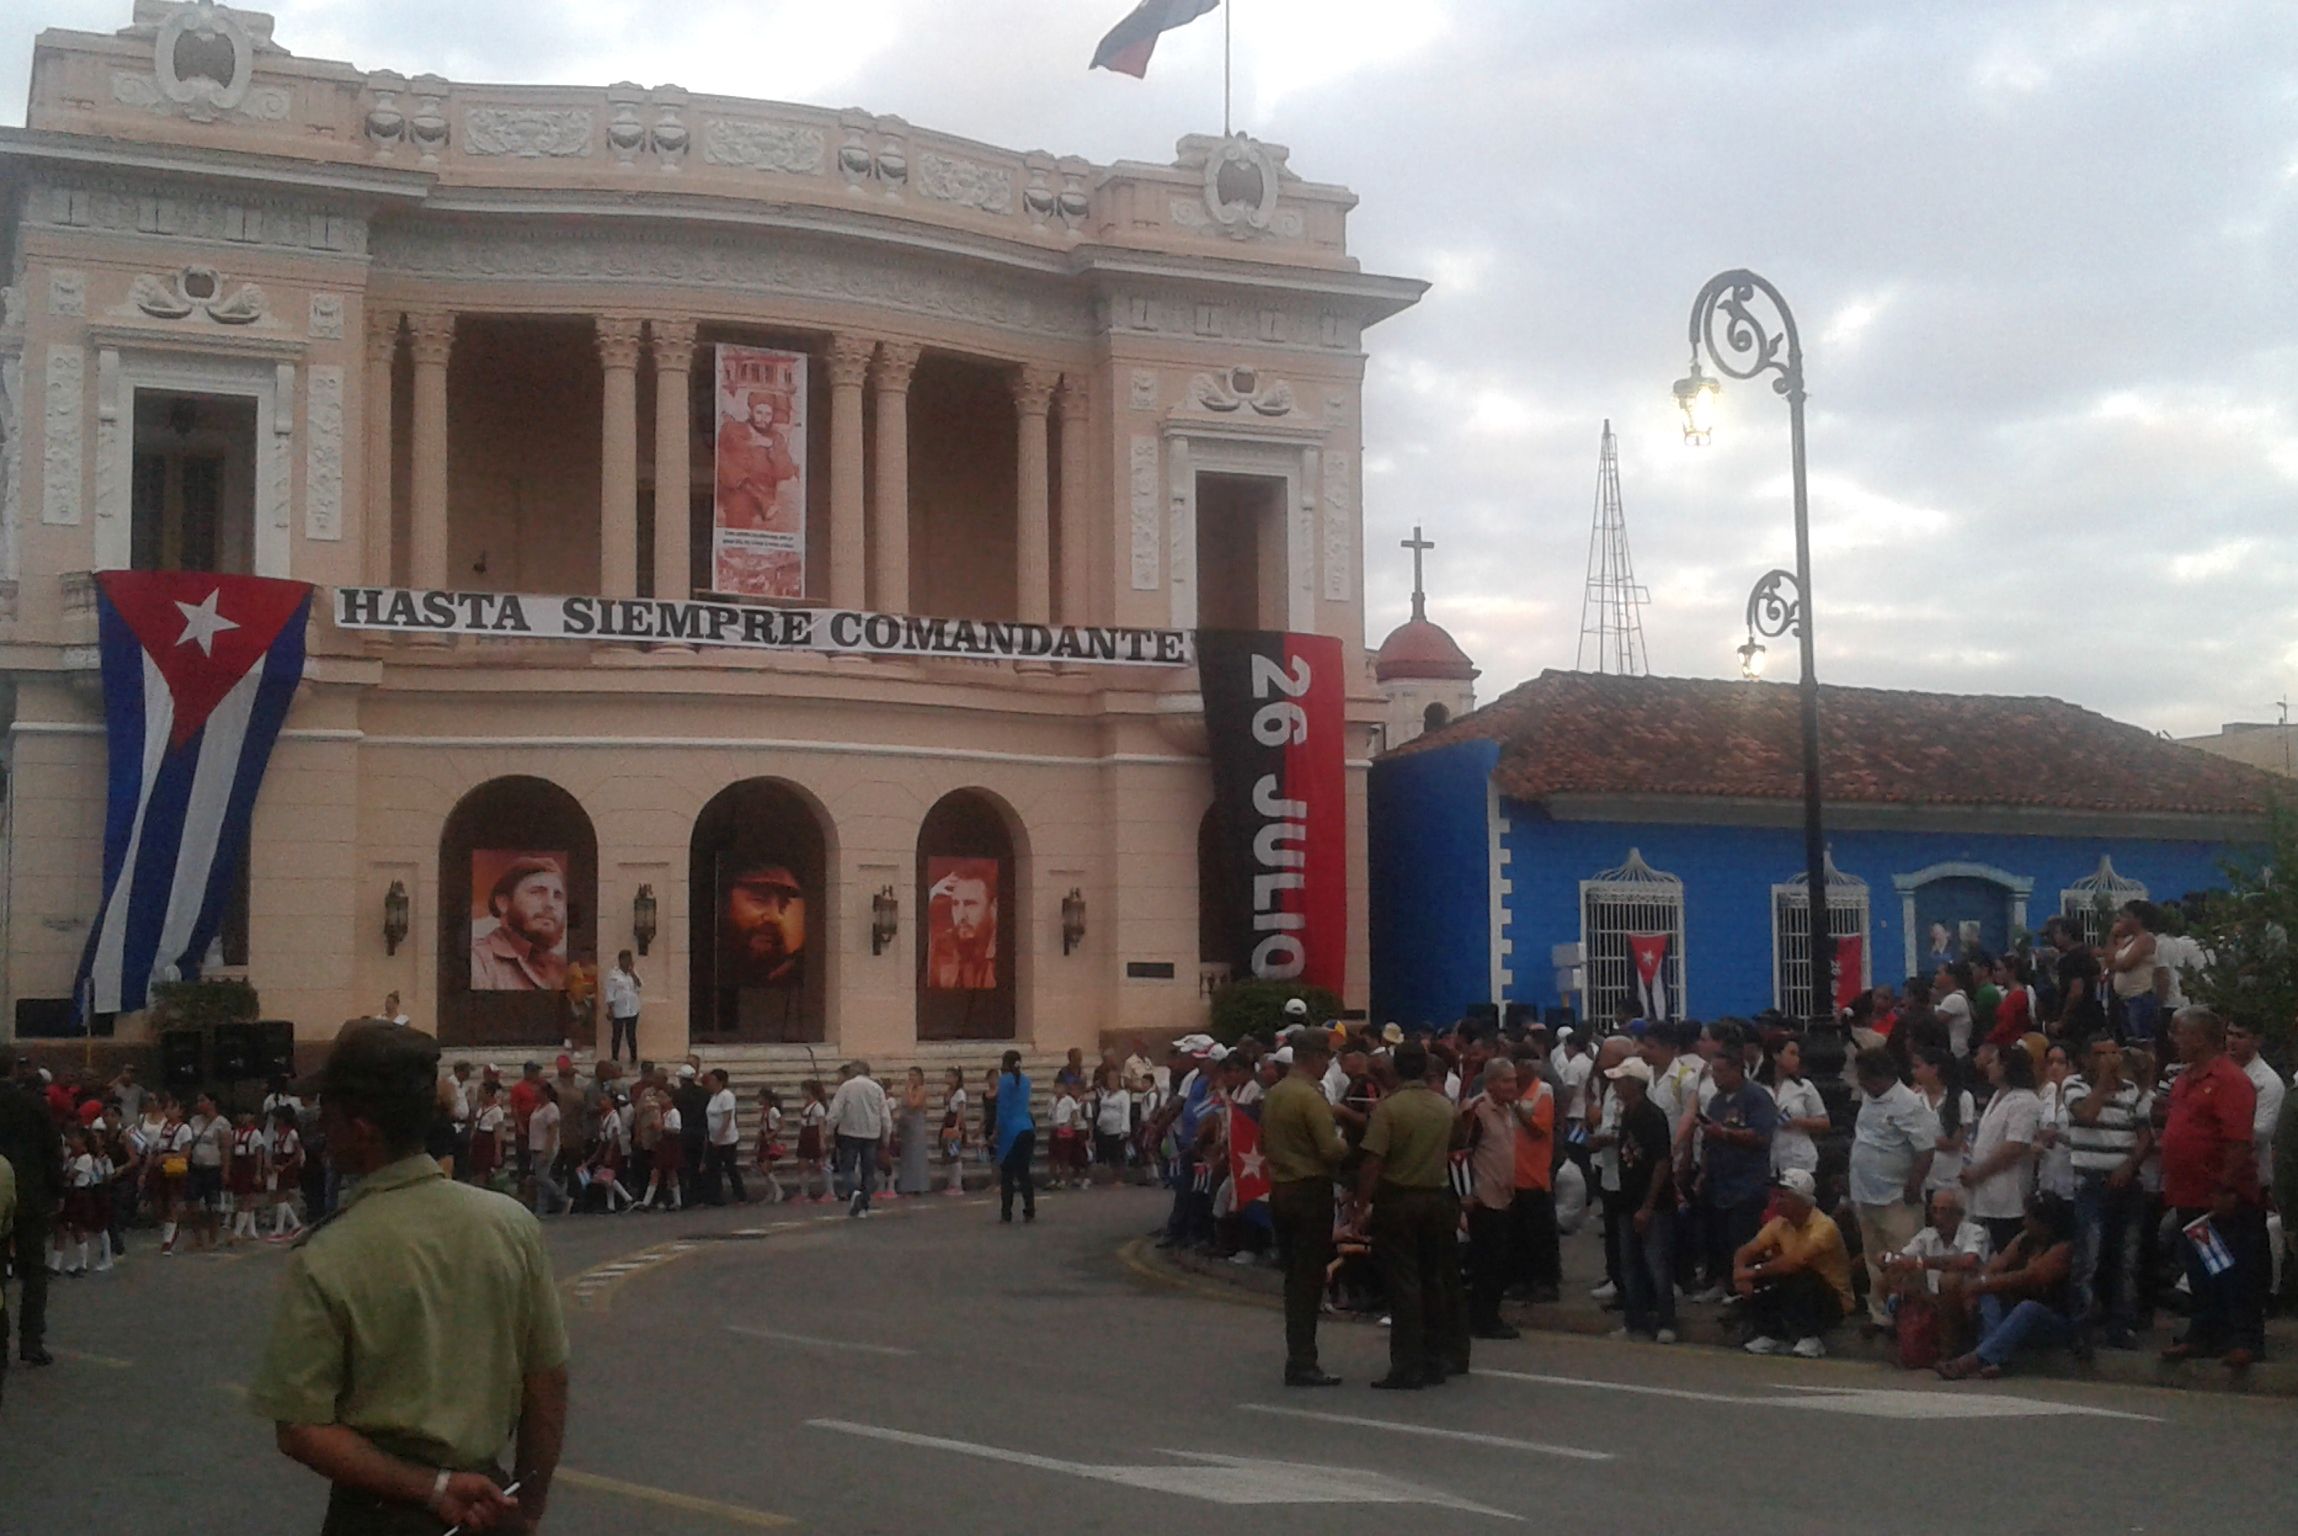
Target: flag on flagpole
1127	48
1650	953
198	672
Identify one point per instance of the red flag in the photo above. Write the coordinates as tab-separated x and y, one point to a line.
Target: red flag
1127	48
1248	1170
1650	952
1848	956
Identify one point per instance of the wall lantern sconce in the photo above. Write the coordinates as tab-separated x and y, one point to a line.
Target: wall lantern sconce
885	920
1072	920
645	918
395	913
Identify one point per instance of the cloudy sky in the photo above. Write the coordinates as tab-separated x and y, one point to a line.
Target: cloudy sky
2042	255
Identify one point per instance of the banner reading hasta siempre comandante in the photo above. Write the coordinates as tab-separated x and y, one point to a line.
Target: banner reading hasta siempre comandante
1274	723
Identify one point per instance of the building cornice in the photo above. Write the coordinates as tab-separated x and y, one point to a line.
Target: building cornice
1991	820
27	148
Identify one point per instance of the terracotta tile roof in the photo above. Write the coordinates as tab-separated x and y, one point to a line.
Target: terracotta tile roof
1585	733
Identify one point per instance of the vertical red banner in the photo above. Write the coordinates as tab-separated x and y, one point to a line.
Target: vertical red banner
1275	719
1849	968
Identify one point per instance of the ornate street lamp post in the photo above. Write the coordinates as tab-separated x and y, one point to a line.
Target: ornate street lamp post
1743	343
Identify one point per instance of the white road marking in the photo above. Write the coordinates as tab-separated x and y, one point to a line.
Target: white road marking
1211	1477
777	1336
1471	1437
1863	1402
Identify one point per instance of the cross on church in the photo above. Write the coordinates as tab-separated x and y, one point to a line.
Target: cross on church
1417	545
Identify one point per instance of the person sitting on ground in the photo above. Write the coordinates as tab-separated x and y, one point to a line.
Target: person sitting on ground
1943	1256
1795	1274
2022	1296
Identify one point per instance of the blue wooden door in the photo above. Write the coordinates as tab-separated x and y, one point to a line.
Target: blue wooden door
1954	913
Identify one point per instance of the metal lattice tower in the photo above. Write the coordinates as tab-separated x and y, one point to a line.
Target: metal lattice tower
1612	611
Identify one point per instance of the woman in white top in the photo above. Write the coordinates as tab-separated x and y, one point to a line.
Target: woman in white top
1802	1113
1956	1112
2055	1172
1112	1123
2001	1171
543	1143
954	1129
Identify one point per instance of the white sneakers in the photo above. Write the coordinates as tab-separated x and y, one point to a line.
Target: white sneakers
1605	1292
1708	1297
1809	1348
1765	1344
1806	1348
1664	1336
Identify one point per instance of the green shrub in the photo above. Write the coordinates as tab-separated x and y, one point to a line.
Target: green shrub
1257	1007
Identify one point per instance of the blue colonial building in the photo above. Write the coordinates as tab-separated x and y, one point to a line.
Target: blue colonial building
1529	851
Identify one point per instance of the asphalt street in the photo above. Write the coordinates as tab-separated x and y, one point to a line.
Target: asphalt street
784	1368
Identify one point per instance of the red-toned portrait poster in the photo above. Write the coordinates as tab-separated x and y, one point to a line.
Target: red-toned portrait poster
758	509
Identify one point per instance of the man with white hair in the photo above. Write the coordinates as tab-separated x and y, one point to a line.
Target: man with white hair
861	1122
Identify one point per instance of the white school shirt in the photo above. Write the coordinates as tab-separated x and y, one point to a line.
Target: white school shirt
2013	1114
2271	1091
2055	1168
1574	1073
1955	1008
83	1172
1947	1167
1798	1099
1116	1113
1066	1114
489	1121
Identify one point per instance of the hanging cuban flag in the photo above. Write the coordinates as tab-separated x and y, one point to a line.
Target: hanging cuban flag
198	673
1248	1169
1650	952
1127	47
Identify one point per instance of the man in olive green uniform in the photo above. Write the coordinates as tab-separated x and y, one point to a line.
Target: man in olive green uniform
1415	1219
419	1327
1303	1148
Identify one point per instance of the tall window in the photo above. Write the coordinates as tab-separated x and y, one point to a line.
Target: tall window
2094	900
1847	914
192	495
1625	913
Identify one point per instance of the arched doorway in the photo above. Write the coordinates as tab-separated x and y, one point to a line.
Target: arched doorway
518	906
758	916
968	907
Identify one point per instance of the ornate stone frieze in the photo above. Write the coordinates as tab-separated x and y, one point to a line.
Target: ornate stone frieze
1176	314
791	148
1241	179
280	466
11	459
528	133
177	295
1141	394
1141	484
911	283
261	103
67	292
203	58
1240	388
12	307
63	427
966	182
323	465
327	316
125	205
1339	499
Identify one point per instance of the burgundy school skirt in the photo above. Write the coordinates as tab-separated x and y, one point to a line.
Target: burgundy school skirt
83	1211
670	1155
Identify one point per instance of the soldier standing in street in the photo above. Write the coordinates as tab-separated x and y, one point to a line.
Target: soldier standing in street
1303	1149
31	1144
1415	1219
419	1328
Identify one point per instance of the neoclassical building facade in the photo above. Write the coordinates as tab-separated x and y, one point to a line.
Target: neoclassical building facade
283	316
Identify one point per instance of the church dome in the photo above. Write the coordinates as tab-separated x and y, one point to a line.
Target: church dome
1422	648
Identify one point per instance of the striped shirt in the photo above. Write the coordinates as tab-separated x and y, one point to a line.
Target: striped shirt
2104	1146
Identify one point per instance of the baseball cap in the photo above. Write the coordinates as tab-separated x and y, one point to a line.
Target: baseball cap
1639	1027
1635	1067
686	1069
1296	1008
1564	1033
1284	1056
564	1063
1218	1053
1392	1033
1797	1181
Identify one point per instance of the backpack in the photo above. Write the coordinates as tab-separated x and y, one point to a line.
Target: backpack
1918	1332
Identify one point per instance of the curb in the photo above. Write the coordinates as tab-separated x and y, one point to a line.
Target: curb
1258	1284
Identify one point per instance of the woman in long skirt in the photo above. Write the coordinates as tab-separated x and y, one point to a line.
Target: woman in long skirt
914	1177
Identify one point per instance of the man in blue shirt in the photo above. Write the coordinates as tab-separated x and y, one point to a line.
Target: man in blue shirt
1735	1160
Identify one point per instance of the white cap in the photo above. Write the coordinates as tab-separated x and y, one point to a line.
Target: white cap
1635	1067
1296	1008
1194	1045
1563	1034
1797	1181
1284	1056
686	1069
1218	1053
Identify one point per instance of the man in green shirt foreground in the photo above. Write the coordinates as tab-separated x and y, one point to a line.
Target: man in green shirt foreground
1415	1226
419	1328
1303	1149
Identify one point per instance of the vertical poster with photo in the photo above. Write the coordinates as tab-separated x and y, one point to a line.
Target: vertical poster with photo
758	507
761	922
518	920
961	924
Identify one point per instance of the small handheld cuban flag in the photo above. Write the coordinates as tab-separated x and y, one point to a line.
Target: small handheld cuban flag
198	673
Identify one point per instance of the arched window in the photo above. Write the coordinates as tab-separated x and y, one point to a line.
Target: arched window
758	917
1632	934
1435	718
518	906
968	908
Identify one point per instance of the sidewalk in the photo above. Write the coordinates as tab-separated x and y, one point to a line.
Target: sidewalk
1707	1326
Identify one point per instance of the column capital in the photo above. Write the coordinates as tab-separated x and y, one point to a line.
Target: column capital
431	335
1033	388
617	339
849	358
1073	399
897	361
673	345
382	334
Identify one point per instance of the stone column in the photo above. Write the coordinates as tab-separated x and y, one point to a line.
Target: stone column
1033	556
890	529
375	408
432	335
618	338
849	359
1073	405
673	460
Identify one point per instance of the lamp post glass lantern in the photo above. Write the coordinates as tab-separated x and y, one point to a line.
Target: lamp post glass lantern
885	919
1072	920
395	917
645	918
1743	327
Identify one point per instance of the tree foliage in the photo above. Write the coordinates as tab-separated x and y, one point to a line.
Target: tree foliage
2251	971
205	1003
1255	1007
